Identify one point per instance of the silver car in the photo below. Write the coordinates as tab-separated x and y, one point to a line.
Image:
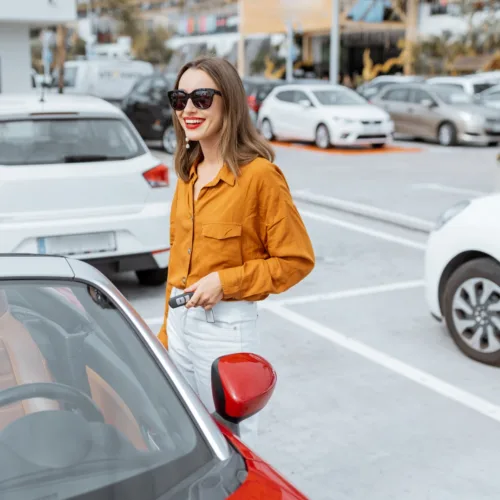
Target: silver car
441	113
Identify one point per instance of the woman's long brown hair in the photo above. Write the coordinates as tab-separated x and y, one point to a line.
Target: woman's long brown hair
240	143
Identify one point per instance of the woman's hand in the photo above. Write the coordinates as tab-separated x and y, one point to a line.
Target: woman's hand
207	292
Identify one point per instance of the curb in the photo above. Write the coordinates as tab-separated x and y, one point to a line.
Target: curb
401	220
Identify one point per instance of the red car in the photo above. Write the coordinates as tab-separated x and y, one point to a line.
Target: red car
92	408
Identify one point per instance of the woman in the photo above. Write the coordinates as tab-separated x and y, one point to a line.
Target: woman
235	234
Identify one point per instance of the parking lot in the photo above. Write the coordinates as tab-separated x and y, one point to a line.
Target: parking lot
373	399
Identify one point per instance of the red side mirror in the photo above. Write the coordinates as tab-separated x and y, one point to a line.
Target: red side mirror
242	384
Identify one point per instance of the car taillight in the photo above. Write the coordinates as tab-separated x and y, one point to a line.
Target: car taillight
157	176
252	103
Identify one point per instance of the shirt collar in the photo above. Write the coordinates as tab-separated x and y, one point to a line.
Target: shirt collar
224	174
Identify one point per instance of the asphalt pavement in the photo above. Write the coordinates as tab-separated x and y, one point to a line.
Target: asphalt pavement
373	398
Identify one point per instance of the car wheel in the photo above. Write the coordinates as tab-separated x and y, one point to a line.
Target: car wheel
152	277
169	139
378	146
447	134
266	130
471	307
322	138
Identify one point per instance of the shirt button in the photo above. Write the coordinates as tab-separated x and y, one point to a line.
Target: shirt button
191	217
189	251
183	281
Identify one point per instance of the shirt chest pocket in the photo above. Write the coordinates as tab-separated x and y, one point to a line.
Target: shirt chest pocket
222	243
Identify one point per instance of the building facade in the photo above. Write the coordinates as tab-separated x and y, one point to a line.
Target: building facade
16	20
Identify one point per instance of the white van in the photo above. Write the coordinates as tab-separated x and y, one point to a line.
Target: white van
108	79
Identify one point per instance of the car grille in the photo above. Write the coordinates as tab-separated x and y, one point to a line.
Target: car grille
371	122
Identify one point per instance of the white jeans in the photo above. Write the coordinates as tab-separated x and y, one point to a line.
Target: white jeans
194	343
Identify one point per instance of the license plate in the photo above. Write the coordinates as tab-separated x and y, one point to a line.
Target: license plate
495	128
370	129
78	244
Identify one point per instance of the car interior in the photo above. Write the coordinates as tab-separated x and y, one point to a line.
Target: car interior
71	396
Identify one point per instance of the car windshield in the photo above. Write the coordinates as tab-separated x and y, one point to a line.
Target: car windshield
84	408
47	141
452	95
338	97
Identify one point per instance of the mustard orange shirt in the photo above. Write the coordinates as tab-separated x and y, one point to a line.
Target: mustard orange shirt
246	228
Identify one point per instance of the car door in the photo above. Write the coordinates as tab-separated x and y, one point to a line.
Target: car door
303	117
137	107
282	111
395	101
424	112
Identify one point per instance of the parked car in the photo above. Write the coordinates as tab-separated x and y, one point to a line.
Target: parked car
92	406
470	84
325	114
257	89
437	112
148	108
370	89
462	276
109	79
490	97
77	179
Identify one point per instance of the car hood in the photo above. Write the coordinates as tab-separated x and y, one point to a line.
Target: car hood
357	112
475	109
262	480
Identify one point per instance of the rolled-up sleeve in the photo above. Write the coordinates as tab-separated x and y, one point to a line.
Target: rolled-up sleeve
291	255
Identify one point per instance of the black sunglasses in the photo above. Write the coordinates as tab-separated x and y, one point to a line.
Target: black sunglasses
201	98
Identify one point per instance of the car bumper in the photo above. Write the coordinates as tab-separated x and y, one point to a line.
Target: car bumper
479	136
137	234
358	134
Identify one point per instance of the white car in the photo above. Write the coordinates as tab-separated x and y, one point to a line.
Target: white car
325	114
462	276
76	179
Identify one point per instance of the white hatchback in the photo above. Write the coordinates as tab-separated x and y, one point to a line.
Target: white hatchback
462	276
325	114
76	179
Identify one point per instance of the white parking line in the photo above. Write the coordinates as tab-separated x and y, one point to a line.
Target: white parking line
425	379
363	230
344	294
449	189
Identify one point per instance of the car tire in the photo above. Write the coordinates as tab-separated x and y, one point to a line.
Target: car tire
152	277
266	129
379	146
322	137
168	139
447	134
463	302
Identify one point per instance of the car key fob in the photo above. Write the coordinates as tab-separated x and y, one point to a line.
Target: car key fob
180	300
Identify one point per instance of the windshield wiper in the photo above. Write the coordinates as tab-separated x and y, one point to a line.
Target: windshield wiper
88	158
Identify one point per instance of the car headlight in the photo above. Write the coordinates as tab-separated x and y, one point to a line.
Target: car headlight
471	119
451	212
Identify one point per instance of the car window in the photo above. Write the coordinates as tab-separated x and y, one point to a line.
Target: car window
285	96
340	97
262	91
143	86
401	94
480	87
114	415
419	95
299	95
45	141
451	95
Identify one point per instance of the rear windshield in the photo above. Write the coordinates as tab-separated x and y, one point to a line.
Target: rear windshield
480	87
48	141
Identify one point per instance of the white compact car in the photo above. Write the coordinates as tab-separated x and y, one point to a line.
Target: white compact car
462	275
325	114
76	179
